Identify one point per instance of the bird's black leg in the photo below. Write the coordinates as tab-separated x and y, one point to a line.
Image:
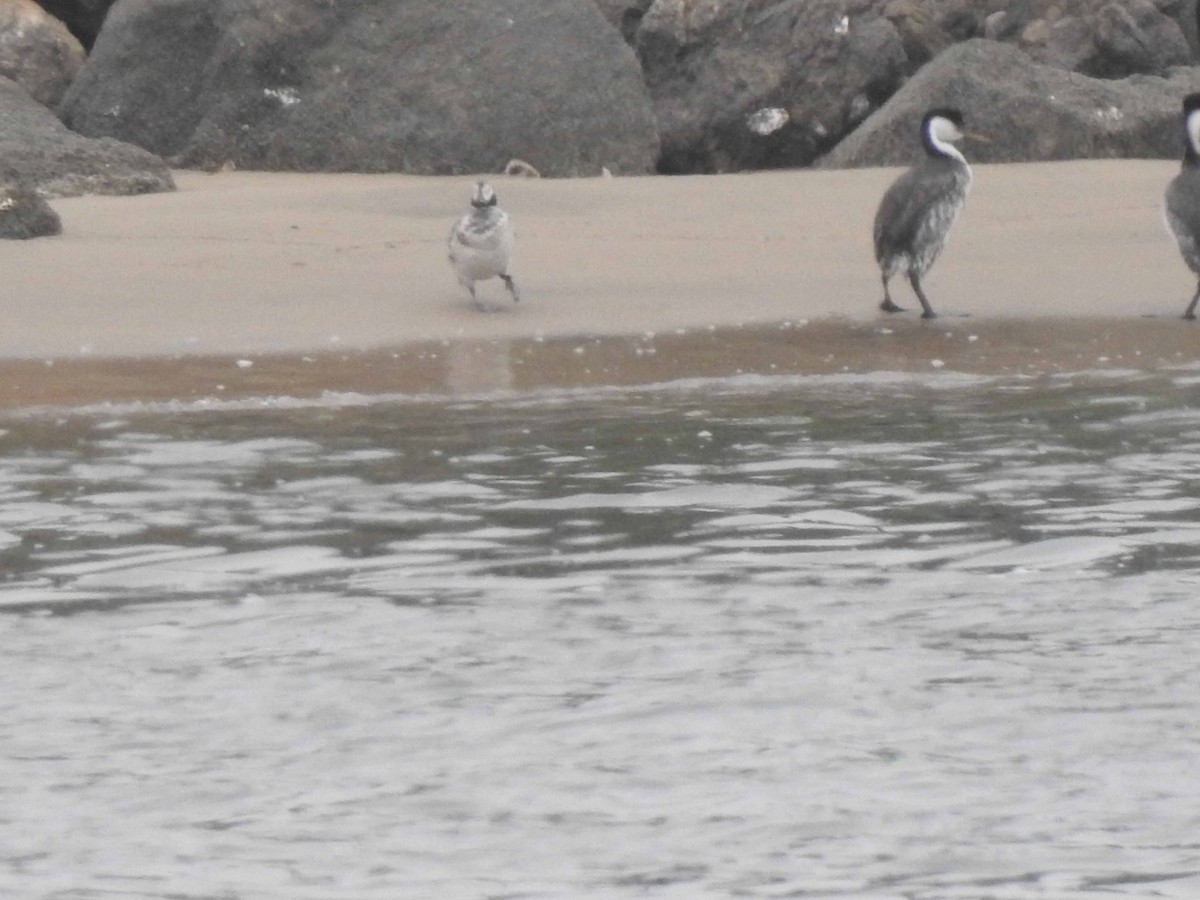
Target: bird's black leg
887	305
512	287
1190	312
479	304
915	280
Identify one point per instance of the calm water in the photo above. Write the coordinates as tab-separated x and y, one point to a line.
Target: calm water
876	637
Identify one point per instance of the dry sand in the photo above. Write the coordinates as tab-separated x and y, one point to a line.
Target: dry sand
254	283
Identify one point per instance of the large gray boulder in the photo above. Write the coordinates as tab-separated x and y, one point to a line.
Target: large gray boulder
1025	110
25	214
37	51
421	86
744	84
1104	38
38	150
927	27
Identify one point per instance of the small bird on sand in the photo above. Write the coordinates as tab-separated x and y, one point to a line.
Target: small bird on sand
916	213
1183	196
481	244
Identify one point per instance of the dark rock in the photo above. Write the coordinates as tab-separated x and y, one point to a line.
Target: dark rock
45	154
1000	25
25	214
1025	111
422	86
1187	14
1132	37
921	37
961	19
711	68
1104	38
1070	44
83	17
624	15
37	51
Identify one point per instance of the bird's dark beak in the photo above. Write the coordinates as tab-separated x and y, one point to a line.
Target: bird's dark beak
977	137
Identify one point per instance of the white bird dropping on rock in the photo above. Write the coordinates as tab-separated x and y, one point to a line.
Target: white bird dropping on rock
767	120
481	244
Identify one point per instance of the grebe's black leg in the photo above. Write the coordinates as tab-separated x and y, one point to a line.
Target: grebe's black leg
915	280
887	305
1190	312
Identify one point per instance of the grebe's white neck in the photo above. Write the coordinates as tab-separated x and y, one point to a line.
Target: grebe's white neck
1192	127
940	134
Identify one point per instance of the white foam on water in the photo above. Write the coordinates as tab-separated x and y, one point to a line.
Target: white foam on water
795	543
331	484
400	518
698	496
42	595
369	455
429	491
775	466
1053	553
101	472
132	558
236	454
176	496
864	561
824	519
32	514
210	569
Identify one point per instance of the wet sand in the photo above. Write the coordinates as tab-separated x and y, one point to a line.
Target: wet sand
247	284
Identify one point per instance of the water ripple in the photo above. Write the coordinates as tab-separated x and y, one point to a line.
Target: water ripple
829	638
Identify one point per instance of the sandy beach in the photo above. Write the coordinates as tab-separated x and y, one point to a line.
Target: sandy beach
255	283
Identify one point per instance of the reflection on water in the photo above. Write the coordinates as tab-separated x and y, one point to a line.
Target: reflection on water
475	367
870	637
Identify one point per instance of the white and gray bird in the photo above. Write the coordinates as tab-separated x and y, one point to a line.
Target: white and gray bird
916	213
481	244
1183	196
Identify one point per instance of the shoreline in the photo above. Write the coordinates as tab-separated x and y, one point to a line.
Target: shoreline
339	283
1028	348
